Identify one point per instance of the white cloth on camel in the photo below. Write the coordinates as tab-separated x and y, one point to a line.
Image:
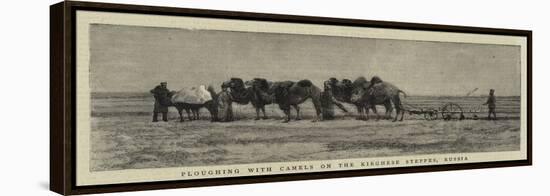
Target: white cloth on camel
192	95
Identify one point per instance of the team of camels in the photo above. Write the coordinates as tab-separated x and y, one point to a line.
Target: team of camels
259	92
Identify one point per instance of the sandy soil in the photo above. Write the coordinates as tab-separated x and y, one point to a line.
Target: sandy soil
131	142
123	136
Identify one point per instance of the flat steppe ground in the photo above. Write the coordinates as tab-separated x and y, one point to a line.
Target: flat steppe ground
123	136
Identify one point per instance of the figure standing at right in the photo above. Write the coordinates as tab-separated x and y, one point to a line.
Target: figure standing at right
491	103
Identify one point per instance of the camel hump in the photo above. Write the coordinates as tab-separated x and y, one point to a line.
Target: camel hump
305	83
283	84
376	79
239	83
264	85
360	81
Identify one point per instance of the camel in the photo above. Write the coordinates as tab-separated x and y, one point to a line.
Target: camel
343	91
289	93
237	91
381	93
193	99
260	98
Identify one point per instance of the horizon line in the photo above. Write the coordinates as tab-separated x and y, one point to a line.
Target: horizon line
408	94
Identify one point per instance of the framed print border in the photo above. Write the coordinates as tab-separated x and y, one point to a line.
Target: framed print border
63	96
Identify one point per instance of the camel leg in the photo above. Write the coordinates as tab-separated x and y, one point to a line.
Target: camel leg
397	111
318	109
398	108
189	114
375	112
389	110
257	113
196	113
287	113
402	113
180	112
286	109
263	111
230	113
367	113
360	112
297	108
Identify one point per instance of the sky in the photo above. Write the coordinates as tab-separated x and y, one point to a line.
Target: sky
136	59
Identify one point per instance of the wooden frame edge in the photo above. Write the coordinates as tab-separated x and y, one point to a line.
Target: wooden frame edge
62	78
57	143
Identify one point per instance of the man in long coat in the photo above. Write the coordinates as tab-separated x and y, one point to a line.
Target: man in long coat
491	103
162	101
328	101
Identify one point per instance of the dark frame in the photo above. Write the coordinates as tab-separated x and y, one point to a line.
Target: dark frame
63	107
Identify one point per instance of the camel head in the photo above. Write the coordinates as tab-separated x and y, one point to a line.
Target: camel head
225	85
327	85
333	80
331	84
346	85
360	81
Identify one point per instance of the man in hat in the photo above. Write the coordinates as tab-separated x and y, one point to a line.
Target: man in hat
162	101
491	103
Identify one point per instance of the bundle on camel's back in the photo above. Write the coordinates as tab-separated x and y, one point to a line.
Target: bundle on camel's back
193	99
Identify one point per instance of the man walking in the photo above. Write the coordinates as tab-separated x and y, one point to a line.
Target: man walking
162	101
491	103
